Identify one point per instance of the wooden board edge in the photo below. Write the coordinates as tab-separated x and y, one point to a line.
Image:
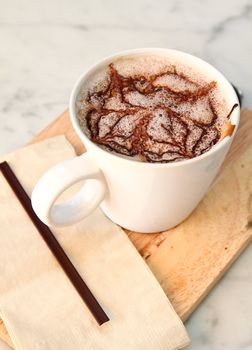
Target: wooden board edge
184	317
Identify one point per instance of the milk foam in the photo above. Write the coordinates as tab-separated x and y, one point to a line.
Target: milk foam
152	109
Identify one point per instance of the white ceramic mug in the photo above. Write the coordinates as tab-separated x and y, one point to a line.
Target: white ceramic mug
143	197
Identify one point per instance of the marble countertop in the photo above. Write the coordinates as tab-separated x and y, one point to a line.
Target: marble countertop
45	45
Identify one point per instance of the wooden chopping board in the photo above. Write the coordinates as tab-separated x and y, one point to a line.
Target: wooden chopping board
189	259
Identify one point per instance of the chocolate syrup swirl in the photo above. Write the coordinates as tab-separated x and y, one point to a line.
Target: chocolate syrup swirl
144	117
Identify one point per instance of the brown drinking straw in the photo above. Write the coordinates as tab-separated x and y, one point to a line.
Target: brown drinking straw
55	247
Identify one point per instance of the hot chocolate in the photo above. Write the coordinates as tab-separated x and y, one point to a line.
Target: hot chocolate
152	109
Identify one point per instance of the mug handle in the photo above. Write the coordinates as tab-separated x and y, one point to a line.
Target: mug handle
60	177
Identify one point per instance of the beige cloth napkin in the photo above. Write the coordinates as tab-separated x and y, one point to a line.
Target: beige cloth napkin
4	346
39	305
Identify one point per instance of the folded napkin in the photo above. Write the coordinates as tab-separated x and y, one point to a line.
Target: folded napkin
4	346
38	304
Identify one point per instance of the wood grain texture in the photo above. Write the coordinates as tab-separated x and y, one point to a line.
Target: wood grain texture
189	259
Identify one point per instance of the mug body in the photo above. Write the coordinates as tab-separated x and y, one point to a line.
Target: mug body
148	197
153	198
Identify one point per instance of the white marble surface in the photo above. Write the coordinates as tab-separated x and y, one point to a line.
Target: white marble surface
45	45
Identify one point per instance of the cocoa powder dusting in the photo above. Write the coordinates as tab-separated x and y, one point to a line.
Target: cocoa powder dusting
146	118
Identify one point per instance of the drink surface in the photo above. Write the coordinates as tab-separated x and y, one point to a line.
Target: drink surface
152	109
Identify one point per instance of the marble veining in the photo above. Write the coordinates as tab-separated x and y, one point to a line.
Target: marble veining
46	45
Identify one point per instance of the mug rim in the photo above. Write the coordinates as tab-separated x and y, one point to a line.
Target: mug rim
214	149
